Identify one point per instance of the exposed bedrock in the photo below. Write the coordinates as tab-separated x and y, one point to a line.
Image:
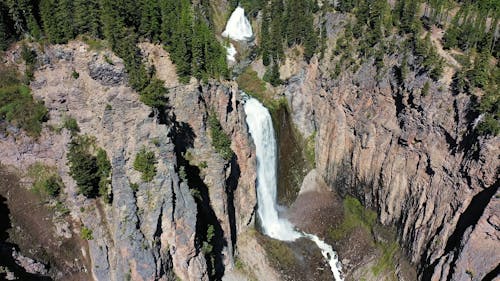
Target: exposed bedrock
406	155
152	232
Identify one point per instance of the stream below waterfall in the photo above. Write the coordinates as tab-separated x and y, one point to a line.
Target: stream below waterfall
261	129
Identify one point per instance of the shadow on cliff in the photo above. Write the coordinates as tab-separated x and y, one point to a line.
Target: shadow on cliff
231	186
209	234
469	218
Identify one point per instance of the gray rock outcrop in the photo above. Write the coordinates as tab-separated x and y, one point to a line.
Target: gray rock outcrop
413	158
150	233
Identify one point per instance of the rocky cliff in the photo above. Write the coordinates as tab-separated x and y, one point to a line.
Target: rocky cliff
154	231
412	157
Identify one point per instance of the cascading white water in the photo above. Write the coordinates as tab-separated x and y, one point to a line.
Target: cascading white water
238	26
261	129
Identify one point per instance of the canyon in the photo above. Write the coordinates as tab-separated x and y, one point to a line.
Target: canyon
411	159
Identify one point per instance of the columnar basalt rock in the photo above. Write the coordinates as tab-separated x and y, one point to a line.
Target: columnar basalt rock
405	155
230	183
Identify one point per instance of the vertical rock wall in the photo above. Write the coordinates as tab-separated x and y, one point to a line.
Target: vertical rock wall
411	157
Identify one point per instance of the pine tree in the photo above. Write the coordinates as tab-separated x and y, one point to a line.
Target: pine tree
64	18
150	19
169	19
265	39
4	27
199	49
345	5
23	15
182	39
130	12
479	74
276	32
87	17
47	8
300	25
3	35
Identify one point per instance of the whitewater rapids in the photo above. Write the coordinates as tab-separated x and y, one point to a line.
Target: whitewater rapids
261	129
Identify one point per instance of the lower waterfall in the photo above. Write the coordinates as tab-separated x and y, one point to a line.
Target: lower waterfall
261	129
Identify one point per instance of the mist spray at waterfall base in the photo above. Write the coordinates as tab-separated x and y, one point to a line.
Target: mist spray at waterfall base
261	129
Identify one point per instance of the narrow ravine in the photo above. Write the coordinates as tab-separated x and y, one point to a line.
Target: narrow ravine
261	129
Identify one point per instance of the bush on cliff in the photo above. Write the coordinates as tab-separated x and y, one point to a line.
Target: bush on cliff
17	105
90	172
46	181
145	162
220	140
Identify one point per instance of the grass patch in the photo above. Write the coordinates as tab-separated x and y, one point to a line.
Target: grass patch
355	215
17	105
310	149
94	44
46	181
71	125
279	253
386	261
251	84
86	233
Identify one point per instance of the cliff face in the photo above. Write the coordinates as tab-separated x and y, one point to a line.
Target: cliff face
156	231
411	157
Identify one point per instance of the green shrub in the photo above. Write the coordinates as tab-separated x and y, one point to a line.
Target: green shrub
489	125
86	233
220	140
207	247
71	125
134	186
52	186
104	171
426	88
145	162
489	105
182	173
355	215
46	181
18	107
203	165
251	84
75	74
90	172
29	57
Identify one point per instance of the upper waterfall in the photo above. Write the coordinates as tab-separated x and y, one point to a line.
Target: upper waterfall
238	26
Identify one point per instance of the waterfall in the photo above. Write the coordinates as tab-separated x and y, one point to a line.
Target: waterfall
238	27
261	129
